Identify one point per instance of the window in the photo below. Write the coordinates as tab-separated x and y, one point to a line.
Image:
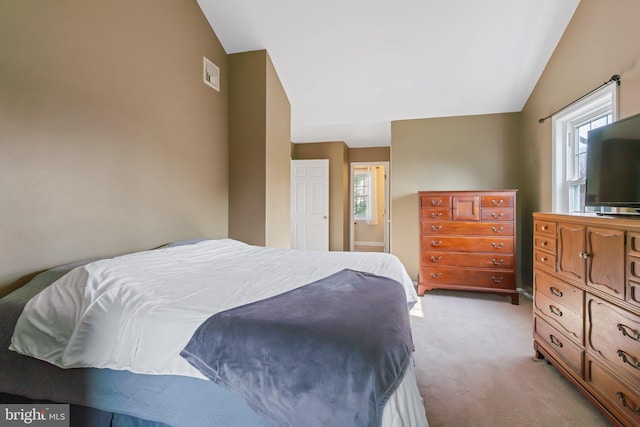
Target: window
570	129
362	196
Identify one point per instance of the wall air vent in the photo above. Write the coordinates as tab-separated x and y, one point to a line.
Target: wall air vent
211	74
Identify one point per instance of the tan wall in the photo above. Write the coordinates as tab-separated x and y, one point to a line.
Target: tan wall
259	152
110	141
601	40
338	154
247	146
370	154
453	153
278	158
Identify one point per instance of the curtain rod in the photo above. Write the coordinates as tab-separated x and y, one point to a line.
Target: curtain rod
614	78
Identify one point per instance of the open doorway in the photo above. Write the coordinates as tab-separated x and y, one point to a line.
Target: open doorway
369	195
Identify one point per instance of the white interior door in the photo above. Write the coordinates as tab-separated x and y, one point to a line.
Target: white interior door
310	204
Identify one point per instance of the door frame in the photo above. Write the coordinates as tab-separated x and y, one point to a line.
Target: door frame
387	211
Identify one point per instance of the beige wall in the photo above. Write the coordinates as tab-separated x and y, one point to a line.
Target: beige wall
259	152
370	154
338	154
452	153
601	40
110	141
278	158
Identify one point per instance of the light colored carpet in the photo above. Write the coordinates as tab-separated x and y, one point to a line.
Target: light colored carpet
475	366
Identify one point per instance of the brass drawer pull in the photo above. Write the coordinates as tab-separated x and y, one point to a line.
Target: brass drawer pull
436	227
436	276
555	341
628	359
555	310
436	214
496	216
544	228
496	262
497	203
583	255
497	279
555	291
497	230
434	243
543	258
634	335
434	259
436	202
623	399
497	245
543	243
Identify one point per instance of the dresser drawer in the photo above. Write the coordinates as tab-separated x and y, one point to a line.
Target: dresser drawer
498	201
545	227
559	316
624	398
556	342
497	214
614	334
563	293
435	201
468	244
545	243
463	259
435	214
467	228
467	277
544	259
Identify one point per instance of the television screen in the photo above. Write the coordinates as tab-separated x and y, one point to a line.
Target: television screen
613	165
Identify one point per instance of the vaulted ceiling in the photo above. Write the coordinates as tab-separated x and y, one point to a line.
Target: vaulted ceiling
350	67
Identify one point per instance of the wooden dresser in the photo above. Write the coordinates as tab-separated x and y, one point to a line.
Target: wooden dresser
587	306
468	241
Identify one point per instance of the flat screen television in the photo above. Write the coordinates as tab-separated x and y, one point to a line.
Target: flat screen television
613	165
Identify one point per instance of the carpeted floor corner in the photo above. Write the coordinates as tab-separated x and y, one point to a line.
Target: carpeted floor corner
475	366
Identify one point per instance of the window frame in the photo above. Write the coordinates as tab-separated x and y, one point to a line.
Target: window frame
599	103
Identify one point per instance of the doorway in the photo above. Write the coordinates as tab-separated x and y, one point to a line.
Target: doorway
369	207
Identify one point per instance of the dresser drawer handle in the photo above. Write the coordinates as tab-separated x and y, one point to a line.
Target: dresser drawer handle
436	214
634	335
434	259
543	243
496	262
497	245
583	255
555	291
434	243
623	399
436	227
497	202
544	228
497	279
497	230
436	202
436	275
628	359
543	258
496	216
555	310
555	341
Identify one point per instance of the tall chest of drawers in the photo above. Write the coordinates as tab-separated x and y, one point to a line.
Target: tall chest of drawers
468	241
586	281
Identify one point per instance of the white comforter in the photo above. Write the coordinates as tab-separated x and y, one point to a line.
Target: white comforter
137	312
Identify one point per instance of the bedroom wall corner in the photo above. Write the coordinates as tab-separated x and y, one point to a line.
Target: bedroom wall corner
259	152
110	140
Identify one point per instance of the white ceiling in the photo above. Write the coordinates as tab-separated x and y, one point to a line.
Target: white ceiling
350	67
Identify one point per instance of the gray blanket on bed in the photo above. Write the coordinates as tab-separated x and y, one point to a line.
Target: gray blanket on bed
327	354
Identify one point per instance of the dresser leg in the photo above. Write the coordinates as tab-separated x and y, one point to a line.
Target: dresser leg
515	298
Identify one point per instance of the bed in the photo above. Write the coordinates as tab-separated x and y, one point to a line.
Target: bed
130	340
